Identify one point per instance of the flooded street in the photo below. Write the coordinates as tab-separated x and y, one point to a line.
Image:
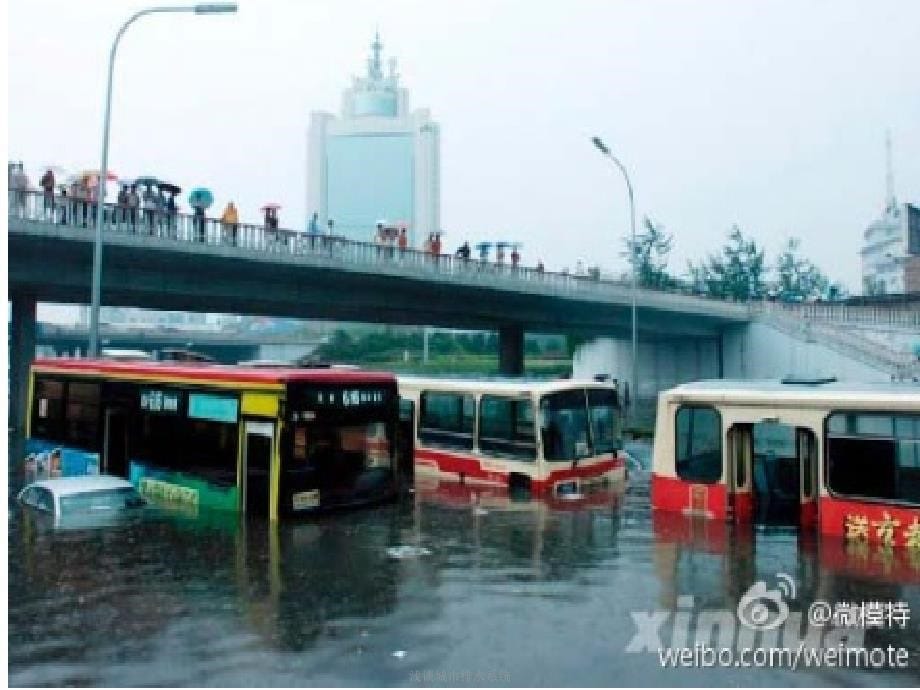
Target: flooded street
512	593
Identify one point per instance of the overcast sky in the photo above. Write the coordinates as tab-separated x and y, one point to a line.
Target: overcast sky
768	114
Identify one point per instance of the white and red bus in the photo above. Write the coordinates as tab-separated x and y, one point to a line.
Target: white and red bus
840	458
545	437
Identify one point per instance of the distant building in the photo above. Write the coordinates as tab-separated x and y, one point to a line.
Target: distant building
891	251
133	317
376	161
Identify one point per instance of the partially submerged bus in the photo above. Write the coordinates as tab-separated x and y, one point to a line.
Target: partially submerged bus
277	442
840	458
545	437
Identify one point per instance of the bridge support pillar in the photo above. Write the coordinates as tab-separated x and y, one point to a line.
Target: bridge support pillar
22	352
511	350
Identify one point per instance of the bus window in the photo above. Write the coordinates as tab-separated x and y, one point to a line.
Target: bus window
506	427
698	444
605	435
210	451
82	416
48	410
565	426
447	420
200	440
874	456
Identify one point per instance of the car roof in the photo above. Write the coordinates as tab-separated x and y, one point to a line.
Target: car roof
68	486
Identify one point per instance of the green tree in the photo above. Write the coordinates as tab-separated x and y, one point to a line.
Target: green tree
649	253
798	279
736	273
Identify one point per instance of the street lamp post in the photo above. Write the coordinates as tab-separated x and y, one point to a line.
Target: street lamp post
207	8
634	382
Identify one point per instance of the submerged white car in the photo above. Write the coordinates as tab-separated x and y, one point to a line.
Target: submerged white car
80	498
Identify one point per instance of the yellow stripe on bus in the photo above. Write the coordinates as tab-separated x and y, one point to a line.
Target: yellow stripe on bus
236	385
260	404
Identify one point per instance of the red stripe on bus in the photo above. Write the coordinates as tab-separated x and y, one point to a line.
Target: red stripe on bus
676	495
869	521
212	372
471	467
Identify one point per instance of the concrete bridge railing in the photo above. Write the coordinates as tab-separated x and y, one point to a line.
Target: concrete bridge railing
906	317
199	234
901	366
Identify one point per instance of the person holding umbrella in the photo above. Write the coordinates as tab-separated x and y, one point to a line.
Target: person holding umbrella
149	202
170	208
200	199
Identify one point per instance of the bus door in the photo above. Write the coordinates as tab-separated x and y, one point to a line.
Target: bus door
115	442
806	450
405	444
740	466
258	443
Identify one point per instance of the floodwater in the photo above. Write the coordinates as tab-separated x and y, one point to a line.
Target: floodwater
500	592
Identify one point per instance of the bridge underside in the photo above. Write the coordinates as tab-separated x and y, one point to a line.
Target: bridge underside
59	270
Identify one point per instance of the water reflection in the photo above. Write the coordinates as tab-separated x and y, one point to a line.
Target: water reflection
517	592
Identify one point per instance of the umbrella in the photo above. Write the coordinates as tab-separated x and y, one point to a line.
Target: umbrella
200	197
170	188
146	181
271	206
483	246
501	246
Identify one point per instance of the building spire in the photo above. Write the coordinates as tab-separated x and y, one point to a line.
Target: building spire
374	71
890	201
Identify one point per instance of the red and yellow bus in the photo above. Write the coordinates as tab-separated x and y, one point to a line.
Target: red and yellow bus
840	458
543	437
272	441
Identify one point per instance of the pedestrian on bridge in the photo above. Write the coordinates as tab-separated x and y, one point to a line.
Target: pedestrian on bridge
47	184
80	194
133	204
121	204
313	229
230	221
198	222
150	210
19	182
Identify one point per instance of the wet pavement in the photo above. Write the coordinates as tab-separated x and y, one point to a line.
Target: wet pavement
494	592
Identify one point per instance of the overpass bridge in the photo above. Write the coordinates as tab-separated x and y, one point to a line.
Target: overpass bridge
180	263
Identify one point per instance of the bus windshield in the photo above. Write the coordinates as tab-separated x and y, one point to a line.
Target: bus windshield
342	450
579	424
605	420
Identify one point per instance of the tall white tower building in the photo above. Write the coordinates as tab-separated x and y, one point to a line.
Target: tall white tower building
891	244
376	161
